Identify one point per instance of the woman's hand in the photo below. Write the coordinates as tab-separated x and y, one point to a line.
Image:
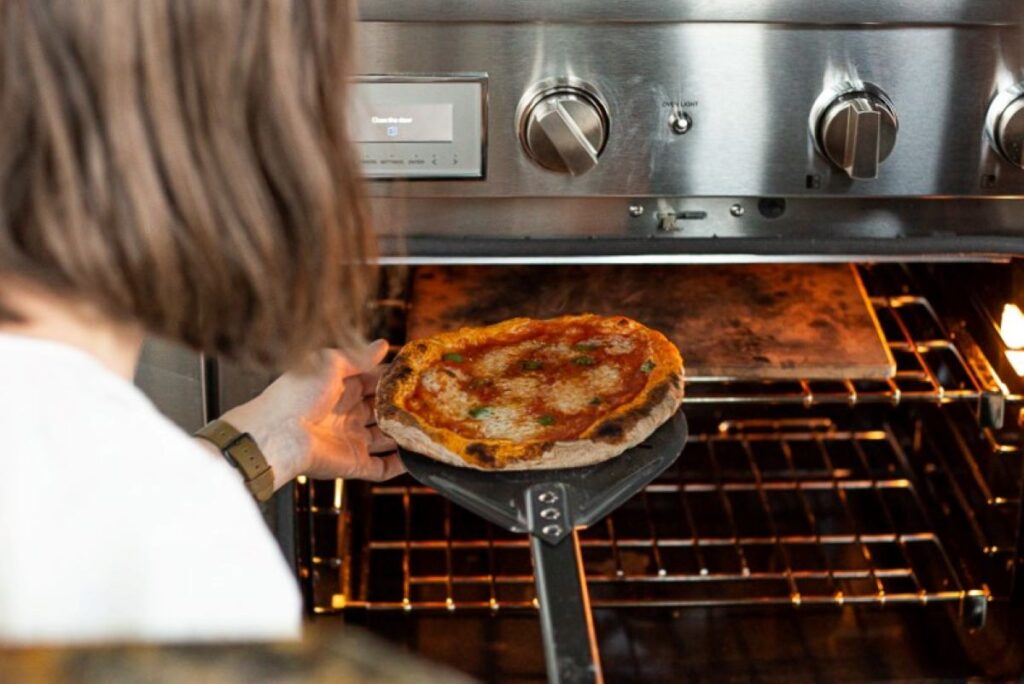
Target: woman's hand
318	420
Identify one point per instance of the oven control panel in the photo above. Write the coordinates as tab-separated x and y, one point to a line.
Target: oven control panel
429	127
677	130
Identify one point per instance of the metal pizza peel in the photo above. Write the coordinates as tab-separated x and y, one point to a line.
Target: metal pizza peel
551	505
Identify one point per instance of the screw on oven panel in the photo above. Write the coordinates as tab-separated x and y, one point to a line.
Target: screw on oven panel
737	210
548	497
551	530
550	513
636	210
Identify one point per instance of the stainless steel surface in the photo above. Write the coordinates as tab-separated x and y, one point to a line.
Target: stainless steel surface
603	226
563	125
1004	124
172	377
634	11
855	127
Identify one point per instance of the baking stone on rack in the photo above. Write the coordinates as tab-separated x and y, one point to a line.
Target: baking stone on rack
763	321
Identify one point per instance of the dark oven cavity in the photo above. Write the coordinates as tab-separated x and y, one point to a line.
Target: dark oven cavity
800	513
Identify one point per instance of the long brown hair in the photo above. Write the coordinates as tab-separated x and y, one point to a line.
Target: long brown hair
184	164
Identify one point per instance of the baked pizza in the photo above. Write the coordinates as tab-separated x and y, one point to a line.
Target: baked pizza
531	394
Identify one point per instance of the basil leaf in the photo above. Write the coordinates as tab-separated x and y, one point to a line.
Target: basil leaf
531	365
546	420
647	367
479	411
584	361
453	357
596	401
586	346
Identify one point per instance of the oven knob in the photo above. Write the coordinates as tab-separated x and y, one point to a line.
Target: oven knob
1004	124
564	129
855	128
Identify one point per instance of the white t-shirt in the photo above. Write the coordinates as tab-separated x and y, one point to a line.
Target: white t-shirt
115	524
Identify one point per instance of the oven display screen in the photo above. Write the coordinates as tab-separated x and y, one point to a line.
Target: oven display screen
404	123
419	126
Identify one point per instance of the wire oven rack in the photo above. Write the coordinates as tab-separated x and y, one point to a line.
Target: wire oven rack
788	511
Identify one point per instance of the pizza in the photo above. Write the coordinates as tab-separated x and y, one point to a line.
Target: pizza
531	394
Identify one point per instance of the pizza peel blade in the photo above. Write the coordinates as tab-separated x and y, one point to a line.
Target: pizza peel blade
551	505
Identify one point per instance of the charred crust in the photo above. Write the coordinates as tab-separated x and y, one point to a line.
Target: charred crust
481	454
420	347
488	456
534	452
609	430
400	372
392	412
614	428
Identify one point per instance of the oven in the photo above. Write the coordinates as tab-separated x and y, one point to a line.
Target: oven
819	524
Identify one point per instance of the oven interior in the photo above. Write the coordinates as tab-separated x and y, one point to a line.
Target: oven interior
835	528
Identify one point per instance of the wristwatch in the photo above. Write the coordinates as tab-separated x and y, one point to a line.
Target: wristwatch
241	451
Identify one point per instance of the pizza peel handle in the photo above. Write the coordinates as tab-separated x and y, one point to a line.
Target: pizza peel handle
551	505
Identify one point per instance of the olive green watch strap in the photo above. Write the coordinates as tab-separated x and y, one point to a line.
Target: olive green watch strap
241	451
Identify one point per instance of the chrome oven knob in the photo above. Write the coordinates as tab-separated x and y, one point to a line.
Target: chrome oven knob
1004	124
855	129
564	128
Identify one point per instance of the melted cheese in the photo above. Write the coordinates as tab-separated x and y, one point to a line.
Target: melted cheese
617	345
575	395
447	391
496	361
509	422
522	388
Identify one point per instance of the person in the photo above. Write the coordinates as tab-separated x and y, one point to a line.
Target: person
176	168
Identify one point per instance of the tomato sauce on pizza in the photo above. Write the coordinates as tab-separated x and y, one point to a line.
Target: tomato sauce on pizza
542	381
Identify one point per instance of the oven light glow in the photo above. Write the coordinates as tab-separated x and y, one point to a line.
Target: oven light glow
1011	326
1016	359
